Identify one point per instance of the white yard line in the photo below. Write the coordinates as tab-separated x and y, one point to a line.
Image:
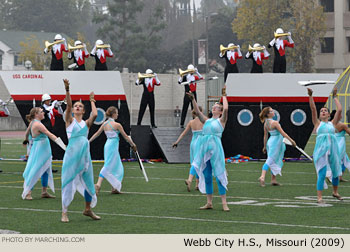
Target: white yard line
186	219
203	195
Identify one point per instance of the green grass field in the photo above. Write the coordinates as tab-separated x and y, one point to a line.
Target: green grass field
164	206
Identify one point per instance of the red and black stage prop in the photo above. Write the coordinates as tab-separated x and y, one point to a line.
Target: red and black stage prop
26	89
248	93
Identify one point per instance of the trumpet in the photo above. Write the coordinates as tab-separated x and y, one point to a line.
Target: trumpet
142	76
184	72
224	49
48	45
277	35
250	48
103	46
72	48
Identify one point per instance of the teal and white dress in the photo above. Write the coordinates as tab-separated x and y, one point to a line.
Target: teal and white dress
77	171
326	152
113	169
275	149
210	148
344	159
194	142
39	162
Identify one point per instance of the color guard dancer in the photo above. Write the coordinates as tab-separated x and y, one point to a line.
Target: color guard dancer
274	146
279	46
341	129
231	53
210	157
77	170
78	54
40	158
257	56
188	77
196	127
148	80
113	169
326	152
57	48
101	52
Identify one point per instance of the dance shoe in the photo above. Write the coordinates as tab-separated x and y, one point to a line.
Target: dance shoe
225	208
64	218
97	189
46	195
28	197
337	196
188	184
206	206
262	182
91	214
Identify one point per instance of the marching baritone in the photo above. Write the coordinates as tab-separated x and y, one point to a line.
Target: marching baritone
100	52
189	77
257	56
57	48
279	46
148	80
231	54
78	54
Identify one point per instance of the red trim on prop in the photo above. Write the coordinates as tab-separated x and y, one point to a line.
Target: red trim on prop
274	99
74	97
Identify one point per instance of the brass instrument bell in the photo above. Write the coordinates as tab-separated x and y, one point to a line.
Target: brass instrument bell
224	49
103	46
145	75
48	45
184	72
72	48
277	35
250	48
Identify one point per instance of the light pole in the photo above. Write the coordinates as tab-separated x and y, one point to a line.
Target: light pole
207	57
207	35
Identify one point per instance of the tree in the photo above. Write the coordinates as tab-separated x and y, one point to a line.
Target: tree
220	32
309	23
133	41
31	50
64	16
257	21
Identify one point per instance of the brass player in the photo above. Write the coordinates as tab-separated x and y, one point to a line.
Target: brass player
101	52
188	77
257	53
279	46
78	54
149	80
231	55
57	48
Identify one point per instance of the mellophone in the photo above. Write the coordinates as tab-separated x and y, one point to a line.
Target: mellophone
48	45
